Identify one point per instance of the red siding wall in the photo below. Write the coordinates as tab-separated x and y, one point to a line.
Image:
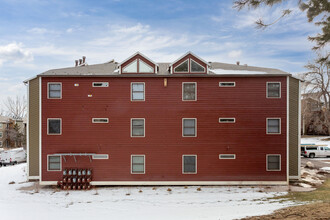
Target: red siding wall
163	144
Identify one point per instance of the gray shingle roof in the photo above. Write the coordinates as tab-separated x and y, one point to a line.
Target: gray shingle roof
112	69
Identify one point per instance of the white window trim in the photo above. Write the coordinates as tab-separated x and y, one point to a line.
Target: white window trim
195	127
144	163
183	163
48	126
280	125
267	162
48	89
195	91
144	92
279	91
180	64
227	122
227	86
107	157
227	158
48	163
106	84
100	122
198	64
144	128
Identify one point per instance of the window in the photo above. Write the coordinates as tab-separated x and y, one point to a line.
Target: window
1	126
189	164
137	90
182	67
137	127
189	91
100	156
227	156
273	162
100	120
273	90
100	84
273	125
227	120
54	90
227	84
196	67
131	68
0	143
54	126
189	127
138	164
54	163
311	148
145	68
1	134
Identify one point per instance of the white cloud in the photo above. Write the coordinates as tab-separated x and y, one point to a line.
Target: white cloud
37	30
235	53
14	52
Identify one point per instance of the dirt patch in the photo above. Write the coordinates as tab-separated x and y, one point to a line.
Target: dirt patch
310	211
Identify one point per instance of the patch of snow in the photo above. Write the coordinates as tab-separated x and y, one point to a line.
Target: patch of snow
305	185
212	202
223	71
316	140
325	169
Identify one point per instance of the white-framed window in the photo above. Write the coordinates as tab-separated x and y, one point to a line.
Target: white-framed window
227	84
196	67
54	90
100	84
100	157
273	125
273	162
144	67
137	127
273	90
1	125
189	164
54	163
189	91
227	120
137	91
0	143
182	67
227	156
100	120
137	164
131	67
189	127
54	126
1	134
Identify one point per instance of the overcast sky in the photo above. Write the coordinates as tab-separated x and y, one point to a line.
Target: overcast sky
37	35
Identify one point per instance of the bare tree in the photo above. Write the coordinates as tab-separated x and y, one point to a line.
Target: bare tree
16	108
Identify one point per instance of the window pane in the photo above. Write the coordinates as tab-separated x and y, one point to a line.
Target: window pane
189	164
138	96
273	162
145	68
138	122
54	159
131	68
54	90
138	87
54	126
183	67
54	94
273	126
138	168
138	159
189	91
189	122
137	127
54	86
54	162
196	67
273	89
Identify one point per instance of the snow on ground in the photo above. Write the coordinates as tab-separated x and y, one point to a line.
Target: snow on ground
216	202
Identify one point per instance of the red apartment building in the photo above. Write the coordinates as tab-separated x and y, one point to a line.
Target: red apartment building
189	122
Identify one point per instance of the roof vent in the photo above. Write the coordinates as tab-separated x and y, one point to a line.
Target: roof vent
237	62
81	62
76	62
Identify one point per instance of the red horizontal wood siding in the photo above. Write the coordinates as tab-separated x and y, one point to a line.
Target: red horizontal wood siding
163	144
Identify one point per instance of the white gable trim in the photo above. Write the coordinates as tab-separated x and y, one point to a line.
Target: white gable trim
191	53
137	53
